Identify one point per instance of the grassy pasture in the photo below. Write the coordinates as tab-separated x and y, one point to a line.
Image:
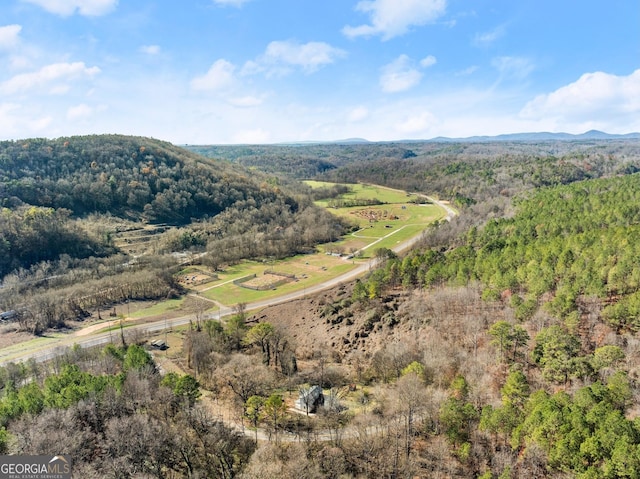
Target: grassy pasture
386	225
365	192
395	222
157	308
309	270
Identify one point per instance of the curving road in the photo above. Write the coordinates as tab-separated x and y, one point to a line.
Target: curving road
51	350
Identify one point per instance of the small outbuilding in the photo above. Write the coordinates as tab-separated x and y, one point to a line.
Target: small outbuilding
310	399
159	344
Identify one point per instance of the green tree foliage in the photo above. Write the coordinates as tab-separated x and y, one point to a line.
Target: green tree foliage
4	440
184	387
506	418
274	411
509	340
515	390
588	434
136	358
236	330
607	357
457	414
254	411
71	385
556	352
416	368
260	335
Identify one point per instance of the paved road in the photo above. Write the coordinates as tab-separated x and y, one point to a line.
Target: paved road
50	350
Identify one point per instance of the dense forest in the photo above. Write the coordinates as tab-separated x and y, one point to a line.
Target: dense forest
44	184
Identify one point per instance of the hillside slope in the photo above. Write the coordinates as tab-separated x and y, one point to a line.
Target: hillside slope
46	184
132	177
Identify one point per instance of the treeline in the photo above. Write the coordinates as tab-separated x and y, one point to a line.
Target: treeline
303	161
353	202
290	161
269	231
329	192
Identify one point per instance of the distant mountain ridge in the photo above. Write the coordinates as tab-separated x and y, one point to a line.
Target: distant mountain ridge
543	136
527	136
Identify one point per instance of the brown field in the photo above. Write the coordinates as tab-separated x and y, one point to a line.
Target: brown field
264	280
194	279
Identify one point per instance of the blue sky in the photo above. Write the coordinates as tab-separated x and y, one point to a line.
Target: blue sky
265	71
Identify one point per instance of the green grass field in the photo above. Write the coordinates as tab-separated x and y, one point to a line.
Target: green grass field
380	226
158	308
309	270
397	219
366	192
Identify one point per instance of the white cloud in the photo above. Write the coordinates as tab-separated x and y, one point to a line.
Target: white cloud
65	8
150	49
47	76
219	76
598	99
19	62
79	111
399	75
467	71
246	101
8	121
487	38
391	18
419	123
428	61
39	124
16	122
231	3
359	113
9	36
513	67
280	56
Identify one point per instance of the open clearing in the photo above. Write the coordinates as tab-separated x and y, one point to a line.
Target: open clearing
380	226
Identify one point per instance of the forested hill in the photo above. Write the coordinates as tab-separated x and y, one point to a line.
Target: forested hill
131	177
